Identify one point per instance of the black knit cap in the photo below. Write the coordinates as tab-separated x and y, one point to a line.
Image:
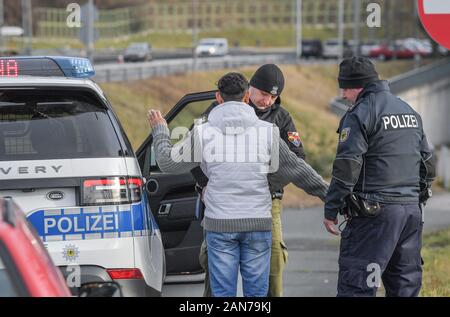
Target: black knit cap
268	78
356	72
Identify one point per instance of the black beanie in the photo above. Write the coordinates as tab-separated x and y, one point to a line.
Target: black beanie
356	72
268	78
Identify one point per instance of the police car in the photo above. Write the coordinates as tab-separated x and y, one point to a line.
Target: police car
66	162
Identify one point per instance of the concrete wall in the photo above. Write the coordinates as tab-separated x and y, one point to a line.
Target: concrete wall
432	102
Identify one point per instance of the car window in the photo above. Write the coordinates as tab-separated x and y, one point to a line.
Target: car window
211	42
7	288
139	46
184	121
185	118
48	124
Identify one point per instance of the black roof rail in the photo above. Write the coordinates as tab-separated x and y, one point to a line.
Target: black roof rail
8	212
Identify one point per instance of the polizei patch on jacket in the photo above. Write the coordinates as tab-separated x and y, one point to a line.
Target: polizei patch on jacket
400	121
294	138
344	135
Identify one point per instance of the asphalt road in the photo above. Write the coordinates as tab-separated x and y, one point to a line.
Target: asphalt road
313	253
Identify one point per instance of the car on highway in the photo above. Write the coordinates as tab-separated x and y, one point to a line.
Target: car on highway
400	49
331	49
366	47
138	52
67	163
383	51
212	47
442	50
312	48
418	46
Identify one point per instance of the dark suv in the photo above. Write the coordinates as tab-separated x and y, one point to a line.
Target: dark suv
312	48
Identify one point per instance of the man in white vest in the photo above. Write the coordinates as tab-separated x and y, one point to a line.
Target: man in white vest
236	151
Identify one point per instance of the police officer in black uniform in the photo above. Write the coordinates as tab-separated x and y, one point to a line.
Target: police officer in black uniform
382	176
268	80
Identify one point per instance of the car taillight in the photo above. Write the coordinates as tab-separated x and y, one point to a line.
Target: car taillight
122	274
135	189
111	191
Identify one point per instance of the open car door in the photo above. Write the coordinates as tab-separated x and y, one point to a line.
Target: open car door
173	200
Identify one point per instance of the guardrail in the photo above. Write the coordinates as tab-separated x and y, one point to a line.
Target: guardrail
420	76
139	71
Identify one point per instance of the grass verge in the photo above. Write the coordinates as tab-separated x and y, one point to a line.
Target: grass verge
436	270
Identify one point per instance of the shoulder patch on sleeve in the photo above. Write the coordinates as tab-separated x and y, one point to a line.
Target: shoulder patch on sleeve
344	134
294	138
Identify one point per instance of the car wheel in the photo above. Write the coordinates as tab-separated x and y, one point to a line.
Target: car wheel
382	57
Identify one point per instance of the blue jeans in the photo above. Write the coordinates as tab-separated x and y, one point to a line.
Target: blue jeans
229	251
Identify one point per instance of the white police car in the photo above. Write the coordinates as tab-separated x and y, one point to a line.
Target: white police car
67	163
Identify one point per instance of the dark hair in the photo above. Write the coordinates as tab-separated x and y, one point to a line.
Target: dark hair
232	87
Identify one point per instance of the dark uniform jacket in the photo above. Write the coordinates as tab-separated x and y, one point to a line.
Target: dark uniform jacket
283	120
277	115
382	152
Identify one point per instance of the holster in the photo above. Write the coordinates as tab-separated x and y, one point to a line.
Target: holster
356	206
424	195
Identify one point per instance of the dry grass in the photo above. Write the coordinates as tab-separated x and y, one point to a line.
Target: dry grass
436	255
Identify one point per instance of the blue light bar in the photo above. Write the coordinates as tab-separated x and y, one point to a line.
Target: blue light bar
74	67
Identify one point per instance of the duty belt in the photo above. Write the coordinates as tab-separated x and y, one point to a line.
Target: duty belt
356	206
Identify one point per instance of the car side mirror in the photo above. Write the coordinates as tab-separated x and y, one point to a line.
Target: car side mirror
100	289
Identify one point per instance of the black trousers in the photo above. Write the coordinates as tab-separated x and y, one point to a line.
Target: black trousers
385	248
